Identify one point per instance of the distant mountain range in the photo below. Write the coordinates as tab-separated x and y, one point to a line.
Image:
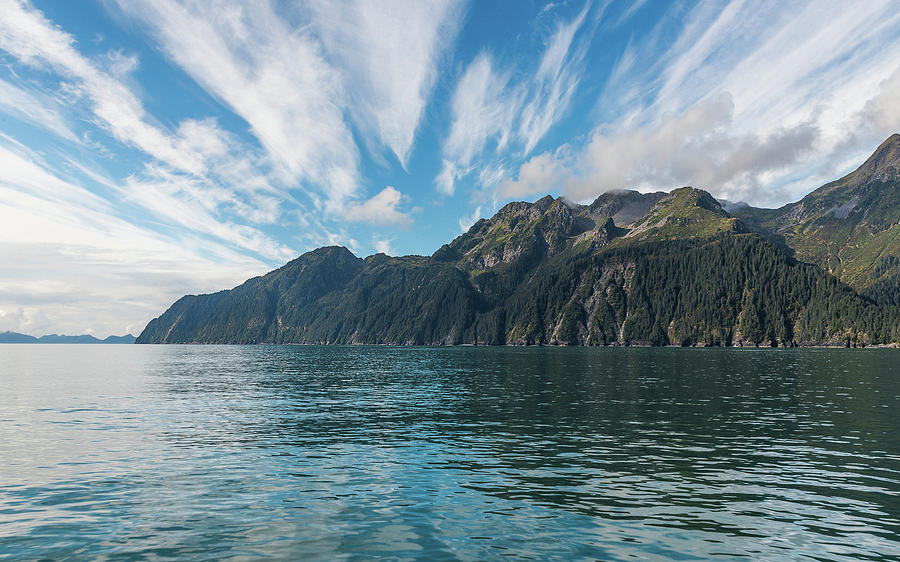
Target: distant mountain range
15	337
629	269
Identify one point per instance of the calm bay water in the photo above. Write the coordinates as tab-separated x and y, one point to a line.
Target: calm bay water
211	452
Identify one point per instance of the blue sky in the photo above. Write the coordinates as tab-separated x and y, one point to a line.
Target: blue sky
154	148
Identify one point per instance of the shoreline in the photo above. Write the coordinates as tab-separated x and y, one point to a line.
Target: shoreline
642	346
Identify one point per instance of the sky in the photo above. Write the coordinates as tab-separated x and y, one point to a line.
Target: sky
155	148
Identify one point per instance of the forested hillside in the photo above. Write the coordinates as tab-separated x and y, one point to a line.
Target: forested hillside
629	269
849	227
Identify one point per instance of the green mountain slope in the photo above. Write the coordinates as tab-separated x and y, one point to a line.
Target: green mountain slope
684	213
849	227
259	309
682	271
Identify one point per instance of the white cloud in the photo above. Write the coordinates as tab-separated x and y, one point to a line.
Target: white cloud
466	222
74	288
36	108
483	111
28	35
706	47
272	75
388	50
695	148
555	82
193	204
22	173
543	173
120	64
203	137
383	246
71	265
882	112
748	98
632	9
805	64
492	114
382	208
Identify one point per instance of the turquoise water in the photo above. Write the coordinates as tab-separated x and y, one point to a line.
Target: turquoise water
211	452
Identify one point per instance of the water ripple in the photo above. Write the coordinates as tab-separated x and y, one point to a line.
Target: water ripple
471	453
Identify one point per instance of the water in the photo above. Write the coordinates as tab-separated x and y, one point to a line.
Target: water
198	452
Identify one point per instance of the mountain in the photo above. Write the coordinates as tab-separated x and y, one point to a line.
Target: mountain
628	269
684	213
849	227
126	339
14	337
625	206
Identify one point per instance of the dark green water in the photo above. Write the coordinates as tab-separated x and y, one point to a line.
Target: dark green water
473	453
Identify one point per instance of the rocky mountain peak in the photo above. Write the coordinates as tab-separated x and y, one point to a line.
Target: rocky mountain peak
685	212
882	165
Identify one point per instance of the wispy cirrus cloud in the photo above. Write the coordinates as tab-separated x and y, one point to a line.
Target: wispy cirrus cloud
192	204
28	35
35	107
199	176
484	110
745	95
65	251
557	77
492	113
388	52
296	85
274	76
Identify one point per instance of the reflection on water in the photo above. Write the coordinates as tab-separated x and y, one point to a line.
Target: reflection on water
331	452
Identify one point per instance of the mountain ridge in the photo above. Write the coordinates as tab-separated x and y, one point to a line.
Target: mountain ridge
850	227
16	337
681	271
